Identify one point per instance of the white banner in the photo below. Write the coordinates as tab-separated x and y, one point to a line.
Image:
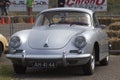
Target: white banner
20	5
95	5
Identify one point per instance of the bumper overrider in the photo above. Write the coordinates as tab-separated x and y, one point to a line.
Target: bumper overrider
65	59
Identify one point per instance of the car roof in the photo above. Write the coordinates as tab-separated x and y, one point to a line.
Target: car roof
69	9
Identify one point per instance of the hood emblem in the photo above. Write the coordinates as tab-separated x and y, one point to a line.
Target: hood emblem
46	42
45	45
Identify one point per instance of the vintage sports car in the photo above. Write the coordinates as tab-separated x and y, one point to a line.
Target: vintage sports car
61	37
3	45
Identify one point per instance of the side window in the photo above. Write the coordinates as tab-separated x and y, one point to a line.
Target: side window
95	21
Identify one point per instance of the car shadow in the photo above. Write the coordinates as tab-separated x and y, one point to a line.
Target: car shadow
61	73
51	73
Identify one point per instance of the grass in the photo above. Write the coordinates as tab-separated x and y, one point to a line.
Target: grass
6	71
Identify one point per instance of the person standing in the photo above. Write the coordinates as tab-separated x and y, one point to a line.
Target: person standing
4	5
61	3
29	5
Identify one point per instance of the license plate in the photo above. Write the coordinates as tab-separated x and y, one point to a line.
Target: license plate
45	64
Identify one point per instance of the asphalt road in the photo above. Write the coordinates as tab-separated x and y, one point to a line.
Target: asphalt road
110	72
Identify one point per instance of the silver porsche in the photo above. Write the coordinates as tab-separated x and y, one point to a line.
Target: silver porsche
61	37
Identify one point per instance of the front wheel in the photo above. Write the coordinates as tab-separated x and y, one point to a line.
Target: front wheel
19	69
90	66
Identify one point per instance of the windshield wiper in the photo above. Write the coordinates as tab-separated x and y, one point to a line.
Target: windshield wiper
78	23
51	24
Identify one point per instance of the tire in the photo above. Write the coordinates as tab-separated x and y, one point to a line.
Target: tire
90	66
19	69
1	49
105	61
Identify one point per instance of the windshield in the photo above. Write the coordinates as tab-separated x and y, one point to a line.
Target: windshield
63	17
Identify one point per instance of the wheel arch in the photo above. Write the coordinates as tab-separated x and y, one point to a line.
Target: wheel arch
2	47
96	47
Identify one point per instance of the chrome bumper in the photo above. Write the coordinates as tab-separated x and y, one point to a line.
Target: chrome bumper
66	60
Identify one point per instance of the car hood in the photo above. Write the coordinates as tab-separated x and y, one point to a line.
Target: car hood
51	38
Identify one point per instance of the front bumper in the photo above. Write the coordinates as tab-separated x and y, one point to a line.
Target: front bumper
60	60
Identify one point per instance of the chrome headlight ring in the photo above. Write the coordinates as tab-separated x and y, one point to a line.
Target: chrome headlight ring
80	42
15	42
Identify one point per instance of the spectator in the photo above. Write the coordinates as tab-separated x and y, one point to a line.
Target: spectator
0	5
4	5
29	5
61	3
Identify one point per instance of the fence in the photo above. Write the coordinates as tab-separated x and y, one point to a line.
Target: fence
12	24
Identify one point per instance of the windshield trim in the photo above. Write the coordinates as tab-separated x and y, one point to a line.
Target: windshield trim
42	14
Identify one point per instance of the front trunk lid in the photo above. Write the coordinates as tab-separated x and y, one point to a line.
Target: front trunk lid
50	39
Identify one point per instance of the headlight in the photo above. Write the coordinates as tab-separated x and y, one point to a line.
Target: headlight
80	42
15	42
